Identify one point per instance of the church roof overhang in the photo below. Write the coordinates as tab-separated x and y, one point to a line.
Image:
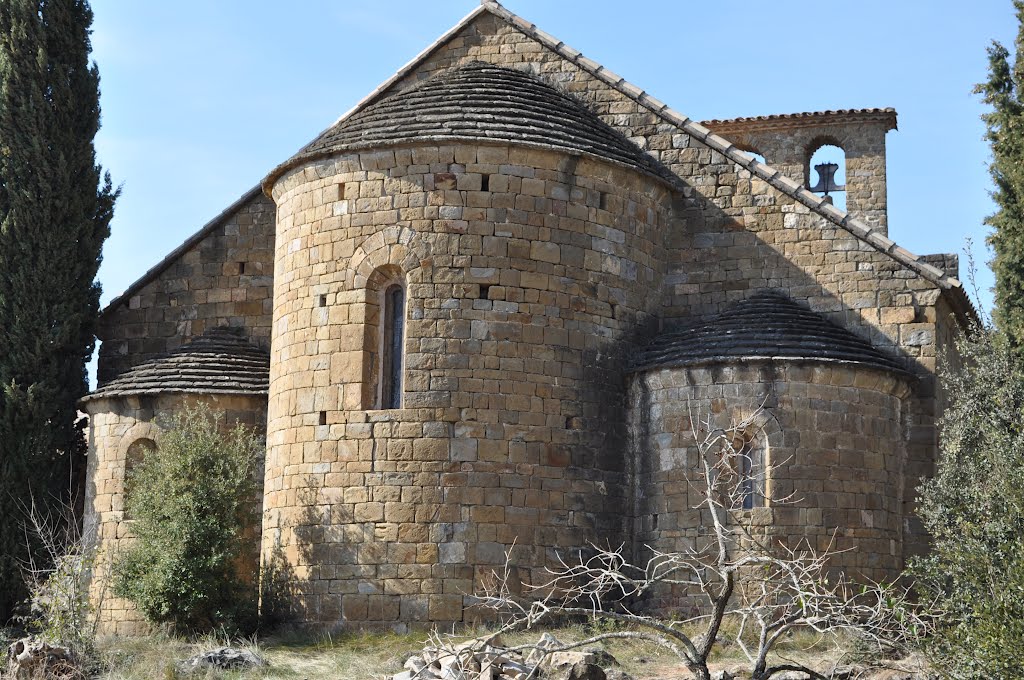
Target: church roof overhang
221	361
768	326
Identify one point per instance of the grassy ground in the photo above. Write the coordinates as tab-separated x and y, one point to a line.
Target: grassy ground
369	656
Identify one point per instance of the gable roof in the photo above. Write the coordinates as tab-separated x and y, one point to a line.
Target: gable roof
776	179
786	185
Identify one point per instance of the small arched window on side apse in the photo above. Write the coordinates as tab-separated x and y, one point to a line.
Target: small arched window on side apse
393	344
826	172
133	458
749	465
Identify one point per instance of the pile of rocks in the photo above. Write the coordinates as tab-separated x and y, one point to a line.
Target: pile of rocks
221	658
488	659
33	658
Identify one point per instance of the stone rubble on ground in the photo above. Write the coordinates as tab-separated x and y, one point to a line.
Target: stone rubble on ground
488	659
223	658
32	658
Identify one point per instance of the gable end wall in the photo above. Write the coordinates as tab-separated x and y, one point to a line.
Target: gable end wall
202	289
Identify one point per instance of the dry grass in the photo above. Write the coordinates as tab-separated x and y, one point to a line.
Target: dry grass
374	656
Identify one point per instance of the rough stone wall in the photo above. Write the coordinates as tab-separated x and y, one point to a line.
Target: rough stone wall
831	440
731	234
521	302
114	425
205	286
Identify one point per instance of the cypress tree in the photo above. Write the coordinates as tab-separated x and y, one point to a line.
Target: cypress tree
1005	131
55	211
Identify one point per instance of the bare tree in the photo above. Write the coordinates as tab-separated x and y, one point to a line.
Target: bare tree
764	587
60	609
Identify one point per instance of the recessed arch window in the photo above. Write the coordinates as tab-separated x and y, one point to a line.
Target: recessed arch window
133	457
749	465
393	341
384	339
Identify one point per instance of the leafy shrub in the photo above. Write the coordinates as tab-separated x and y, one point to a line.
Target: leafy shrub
191	565
974	510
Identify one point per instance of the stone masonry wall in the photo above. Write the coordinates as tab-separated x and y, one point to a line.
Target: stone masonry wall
114	425
521	301
731	234
831	440
226	279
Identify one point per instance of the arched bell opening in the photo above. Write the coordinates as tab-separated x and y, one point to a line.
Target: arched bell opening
826	171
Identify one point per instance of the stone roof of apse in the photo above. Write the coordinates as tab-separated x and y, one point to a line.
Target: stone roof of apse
221	361
766	326
479	101
786	185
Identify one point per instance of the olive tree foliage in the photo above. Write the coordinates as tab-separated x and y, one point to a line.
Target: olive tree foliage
745	588
974	509
192	500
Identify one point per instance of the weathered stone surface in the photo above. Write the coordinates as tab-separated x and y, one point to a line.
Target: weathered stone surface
581	670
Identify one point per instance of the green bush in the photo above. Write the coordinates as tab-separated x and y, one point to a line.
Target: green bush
191	565
974	510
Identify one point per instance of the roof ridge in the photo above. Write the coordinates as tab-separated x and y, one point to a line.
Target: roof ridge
800	115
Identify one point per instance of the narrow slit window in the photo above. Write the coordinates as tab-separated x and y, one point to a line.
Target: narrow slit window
241	267
394	332
751	479
747	489
322	301
485	182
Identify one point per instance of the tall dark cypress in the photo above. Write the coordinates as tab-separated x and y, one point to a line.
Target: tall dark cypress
55	211
1005	132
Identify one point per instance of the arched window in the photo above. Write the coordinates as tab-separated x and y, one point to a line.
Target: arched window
751	473
133	457
384	339
393	340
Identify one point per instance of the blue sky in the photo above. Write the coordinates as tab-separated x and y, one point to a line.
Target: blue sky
200	99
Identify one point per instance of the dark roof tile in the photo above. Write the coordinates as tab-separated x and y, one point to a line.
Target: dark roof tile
767	325
480	101
221	361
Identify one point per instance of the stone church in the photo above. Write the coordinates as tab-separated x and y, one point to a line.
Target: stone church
477	310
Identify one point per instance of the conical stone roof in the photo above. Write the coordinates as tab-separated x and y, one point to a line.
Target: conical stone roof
479	101
766	326
221	361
